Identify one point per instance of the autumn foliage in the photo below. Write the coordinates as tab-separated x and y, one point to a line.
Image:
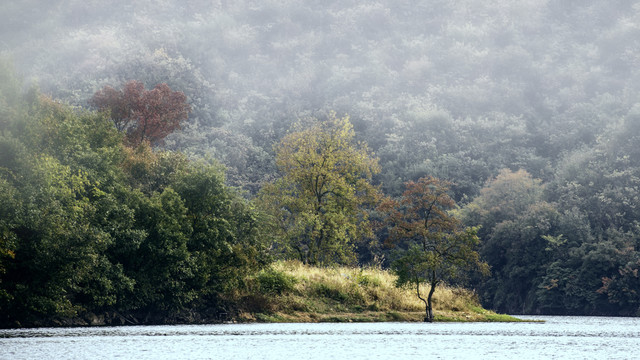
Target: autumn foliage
143	115
436	247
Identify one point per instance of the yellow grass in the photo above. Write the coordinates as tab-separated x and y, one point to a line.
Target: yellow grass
351	294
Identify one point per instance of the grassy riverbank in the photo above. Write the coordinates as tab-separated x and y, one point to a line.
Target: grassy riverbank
293	292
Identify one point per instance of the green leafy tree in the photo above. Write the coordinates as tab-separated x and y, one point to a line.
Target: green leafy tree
200	238
226	238
89	225
436	246
519	250
319	202
622	289
8	209
599	276
517	227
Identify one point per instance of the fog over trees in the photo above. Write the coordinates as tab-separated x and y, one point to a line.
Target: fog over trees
530	109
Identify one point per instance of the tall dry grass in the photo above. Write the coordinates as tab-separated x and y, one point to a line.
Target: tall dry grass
290	287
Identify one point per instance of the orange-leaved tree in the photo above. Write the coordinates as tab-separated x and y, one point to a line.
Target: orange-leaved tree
143	115
435	246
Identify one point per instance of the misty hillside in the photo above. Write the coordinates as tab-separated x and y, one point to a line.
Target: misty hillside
530	108
508	84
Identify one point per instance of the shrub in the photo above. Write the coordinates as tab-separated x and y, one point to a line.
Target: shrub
367	279
330	292
274	282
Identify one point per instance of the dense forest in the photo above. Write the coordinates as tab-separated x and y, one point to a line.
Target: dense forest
528	109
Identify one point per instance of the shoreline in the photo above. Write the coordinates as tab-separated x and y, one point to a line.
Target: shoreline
113	319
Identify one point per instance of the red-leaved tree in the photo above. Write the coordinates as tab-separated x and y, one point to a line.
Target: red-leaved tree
144	115
436	245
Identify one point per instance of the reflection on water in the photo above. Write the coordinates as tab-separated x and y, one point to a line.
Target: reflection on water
557	337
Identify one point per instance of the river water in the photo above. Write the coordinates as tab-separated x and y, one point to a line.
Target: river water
558	337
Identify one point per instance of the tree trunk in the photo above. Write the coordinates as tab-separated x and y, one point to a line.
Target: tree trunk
426	304
434	282
429	317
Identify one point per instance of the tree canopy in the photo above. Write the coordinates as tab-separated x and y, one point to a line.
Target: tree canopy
320	201
435	247
90	225
143	115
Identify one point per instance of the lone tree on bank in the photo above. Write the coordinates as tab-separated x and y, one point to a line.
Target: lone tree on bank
143	115
436	246
319	203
